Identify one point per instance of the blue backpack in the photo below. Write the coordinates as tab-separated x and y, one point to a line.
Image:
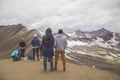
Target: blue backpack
30	57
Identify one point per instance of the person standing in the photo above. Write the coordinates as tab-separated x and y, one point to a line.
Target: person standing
35	45
22	46
47	49
60	46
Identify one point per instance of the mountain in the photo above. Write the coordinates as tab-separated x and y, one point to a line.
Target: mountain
103	33
100	32
86	36
97	49
100	49
99	41
10	36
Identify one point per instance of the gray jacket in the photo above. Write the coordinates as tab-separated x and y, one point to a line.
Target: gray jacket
60	42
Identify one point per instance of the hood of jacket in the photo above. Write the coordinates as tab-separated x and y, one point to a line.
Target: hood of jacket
59	35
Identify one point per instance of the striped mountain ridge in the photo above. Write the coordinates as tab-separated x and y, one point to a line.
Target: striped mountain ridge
10	36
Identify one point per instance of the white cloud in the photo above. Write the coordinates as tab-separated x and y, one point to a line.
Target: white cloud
82	14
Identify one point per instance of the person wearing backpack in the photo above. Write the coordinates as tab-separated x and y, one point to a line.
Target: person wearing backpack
60	46
47	49
35	45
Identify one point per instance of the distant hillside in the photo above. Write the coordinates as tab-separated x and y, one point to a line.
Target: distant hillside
10	36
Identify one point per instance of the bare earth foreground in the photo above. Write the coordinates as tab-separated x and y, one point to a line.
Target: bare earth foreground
33	70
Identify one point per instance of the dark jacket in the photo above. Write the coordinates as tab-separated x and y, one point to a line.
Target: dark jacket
35	42
47	45
22	44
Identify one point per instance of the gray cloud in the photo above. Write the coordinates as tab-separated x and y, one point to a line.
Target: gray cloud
73	14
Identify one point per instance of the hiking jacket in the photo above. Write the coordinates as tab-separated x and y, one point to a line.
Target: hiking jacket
47	45
15	53
60	42
35	42
22	44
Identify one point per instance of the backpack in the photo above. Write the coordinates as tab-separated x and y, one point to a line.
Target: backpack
30	57
16	58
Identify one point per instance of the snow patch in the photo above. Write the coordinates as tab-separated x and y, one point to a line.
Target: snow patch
100	42
113	41
78	52
73	35
109	57
69	57
78	43
112	54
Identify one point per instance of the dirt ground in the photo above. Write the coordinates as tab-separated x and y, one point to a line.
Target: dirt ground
33	70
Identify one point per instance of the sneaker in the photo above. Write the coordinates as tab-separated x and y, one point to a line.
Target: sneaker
22	58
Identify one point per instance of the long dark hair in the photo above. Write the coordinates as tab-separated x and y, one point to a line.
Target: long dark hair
48	38
48	30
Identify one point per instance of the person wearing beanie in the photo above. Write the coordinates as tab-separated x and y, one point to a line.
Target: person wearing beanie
35	45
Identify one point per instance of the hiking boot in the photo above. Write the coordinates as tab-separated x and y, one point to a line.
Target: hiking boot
64	69
45	69
55	69
51	69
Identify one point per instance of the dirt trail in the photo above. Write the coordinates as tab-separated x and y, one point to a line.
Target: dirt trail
33	70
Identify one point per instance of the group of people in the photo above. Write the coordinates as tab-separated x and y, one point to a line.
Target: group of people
48	46
19	53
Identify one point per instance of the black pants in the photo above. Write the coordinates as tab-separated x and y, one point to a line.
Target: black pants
35	51
22	53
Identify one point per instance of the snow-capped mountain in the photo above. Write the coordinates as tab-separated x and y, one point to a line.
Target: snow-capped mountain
101	37
100	32
96	49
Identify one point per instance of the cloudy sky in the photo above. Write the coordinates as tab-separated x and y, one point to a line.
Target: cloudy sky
65	14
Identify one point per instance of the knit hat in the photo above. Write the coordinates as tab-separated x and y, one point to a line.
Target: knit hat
35	35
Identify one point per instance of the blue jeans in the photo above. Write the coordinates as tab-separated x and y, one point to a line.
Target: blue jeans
46	59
